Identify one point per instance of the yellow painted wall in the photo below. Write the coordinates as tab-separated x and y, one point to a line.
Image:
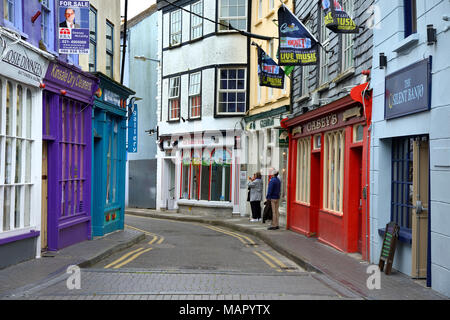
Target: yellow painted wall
106	10
263	25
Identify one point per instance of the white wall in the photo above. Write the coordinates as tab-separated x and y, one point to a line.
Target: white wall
388	35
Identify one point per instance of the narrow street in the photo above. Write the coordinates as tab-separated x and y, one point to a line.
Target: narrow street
181	260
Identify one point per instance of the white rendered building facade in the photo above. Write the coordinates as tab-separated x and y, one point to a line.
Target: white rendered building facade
410	148
203	95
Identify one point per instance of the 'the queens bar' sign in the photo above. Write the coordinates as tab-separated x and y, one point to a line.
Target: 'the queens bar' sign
408	90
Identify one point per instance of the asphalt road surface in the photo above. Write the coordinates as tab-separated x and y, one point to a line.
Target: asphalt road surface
182	260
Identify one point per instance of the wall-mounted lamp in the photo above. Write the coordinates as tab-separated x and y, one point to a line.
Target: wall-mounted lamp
63	92
383	61
42	85
431	35
145	58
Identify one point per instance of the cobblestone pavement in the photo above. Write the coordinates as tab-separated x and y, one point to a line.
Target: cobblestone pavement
187	261
134	284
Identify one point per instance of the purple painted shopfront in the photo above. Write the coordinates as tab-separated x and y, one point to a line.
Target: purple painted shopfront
67	155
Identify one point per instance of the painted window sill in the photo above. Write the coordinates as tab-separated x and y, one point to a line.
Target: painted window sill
258	22
205	203
304	204
270	14
323	87
17	235
407	43
345	75
404	236
302	98
333	213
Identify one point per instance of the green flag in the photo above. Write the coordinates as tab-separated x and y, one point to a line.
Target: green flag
288	70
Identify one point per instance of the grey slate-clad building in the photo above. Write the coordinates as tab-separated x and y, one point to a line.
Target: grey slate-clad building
329	130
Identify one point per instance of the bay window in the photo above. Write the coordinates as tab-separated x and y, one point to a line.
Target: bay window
232	91
196	21
174	98
175	28
233	13
195	98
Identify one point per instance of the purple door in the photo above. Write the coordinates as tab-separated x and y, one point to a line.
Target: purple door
69	136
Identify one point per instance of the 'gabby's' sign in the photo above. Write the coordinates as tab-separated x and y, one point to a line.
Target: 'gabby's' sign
408	90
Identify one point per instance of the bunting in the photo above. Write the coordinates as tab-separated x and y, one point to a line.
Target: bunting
297	46
269	73
336	19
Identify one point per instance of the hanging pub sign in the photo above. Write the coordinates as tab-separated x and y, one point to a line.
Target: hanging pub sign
408	90
297	46
336	19
73	27
269	73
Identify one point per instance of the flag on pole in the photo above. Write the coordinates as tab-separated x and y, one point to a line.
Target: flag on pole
269	73
297	46
336	19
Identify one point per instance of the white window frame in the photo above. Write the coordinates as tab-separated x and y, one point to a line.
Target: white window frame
347	39
22	183
324	58
110	51
195	91
219	91
196	22
175	28
303	186
45	21
174	95
333	180
225	18
306	69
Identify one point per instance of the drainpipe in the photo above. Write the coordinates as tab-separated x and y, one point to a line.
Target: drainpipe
124	49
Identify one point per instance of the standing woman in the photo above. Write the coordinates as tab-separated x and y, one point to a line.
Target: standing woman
256	188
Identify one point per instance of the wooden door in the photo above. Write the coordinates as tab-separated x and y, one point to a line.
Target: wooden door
44	243
420	210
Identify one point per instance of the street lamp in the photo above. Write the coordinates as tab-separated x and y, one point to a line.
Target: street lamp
145	58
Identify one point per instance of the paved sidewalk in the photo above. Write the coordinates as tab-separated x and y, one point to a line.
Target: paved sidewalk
314	256
33	273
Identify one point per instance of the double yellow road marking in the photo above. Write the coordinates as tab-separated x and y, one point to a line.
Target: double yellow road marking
135	253
244	239
156	239
265	256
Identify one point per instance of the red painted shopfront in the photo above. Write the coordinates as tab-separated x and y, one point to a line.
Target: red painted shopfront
328	188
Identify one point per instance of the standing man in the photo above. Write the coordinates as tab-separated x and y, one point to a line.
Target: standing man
69	14
273	195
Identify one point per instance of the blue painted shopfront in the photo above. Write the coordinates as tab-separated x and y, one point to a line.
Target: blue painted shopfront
109	156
